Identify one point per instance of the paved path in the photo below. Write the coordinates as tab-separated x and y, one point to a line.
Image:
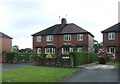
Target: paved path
99	66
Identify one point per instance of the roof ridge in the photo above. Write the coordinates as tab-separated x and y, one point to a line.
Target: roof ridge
113	28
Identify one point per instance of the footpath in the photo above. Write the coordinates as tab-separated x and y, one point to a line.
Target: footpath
99	66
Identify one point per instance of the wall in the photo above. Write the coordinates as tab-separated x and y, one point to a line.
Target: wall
6	46
59	41
90	43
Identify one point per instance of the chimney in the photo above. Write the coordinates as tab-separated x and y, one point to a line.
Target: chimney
63	21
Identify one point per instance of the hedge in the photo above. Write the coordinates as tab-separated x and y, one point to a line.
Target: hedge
81	58
9	56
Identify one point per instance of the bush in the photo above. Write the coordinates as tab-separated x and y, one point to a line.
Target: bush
104	56
81	58
10	56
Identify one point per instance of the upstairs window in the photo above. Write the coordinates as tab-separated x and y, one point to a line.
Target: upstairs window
67	37
49	38
111	36
79	37
38	38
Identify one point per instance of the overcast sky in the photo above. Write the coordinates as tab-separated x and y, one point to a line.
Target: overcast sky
22	18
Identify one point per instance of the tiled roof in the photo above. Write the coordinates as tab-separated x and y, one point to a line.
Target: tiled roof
59	29
114	28
2	35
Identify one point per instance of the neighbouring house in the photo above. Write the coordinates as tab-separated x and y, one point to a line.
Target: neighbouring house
5	45
26	50
111	40
62	38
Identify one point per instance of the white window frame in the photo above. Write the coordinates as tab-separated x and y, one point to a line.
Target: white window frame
49	50
80	49
79	37
111	36
39	38
67	49
112	50
49	38
39	50
67	37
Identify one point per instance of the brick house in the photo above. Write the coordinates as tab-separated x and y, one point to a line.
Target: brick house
5	45
61	38
111	40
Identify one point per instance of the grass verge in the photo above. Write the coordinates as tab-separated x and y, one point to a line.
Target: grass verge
36	74
112	63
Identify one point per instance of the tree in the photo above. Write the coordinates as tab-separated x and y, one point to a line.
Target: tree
97	45
15	48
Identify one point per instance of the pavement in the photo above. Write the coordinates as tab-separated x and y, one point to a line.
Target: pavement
99	66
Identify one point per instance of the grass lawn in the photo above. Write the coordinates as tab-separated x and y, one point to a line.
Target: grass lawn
0	77
36	74
112	63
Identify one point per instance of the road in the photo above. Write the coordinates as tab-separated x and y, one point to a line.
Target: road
93	75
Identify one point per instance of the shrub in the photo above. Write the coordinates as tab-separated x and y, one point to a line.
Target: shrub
48	56
103	56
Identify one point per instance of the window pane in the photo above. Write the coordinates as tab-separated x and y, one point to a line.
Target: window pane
111	36
49	38
67	49
50	50
38	50
67	37
79	49
79	37
38	38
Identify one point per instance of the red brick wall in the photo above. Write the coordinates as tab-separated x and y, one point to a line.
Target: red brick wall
59	41
115	43
6	46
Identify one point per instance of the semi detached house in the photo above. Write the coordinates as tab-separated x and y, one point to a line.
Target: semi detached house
61	38
111	40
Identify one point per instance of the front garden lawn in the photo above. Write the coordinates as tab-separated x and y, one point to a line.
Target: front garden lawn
36	74
113	63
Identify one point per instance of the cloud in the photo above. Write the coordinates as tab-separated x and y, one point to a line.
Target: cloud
21	18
